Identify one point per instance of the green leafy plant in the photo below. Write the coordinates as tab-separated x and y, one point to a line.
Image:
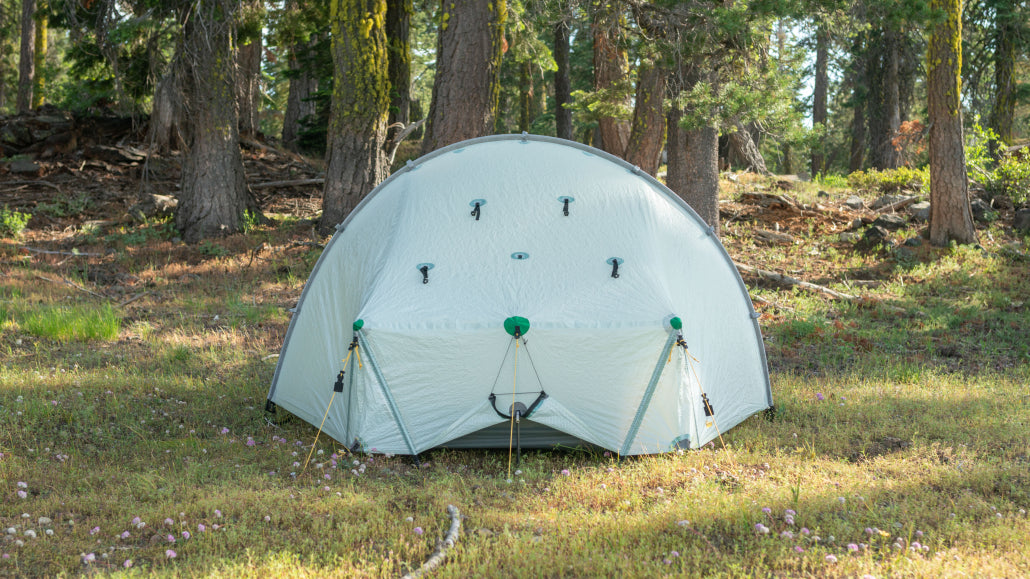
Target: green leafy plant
889	180
66	207
12	223
211	249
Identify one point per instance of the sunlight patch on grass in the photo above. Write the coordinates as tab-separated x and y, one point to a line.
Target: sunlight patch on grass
74	323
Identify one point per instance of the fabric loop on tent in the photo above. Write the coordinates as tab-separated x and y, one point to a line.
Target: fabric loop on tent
425	273
476	211
541	396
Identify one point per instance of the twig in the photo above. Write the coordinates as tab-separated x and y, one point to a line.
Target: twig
290	183
765	302
786	279
49	252
441	548
133	298
73	284
895	206
31	182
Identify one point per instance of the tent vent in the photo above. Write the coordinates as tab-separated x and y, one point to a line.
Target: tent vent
565	200
424	268
476	205
614	262
520	255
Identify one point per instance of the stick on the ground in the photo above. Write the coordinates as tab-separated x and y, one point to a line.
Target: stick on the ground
73	284
899	205
290	183
441	549
787	280
32	182
50	252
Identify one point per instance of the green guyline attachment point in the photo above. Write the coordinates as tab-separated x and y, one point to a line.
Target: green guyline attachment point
358	324
676	323
516	321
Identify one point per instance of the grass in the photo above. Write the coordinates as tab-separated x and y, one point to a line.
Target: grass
75	323
902	418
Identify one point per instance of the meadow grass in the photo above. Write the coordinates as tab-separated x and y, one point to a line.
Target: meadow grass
82	323
900	444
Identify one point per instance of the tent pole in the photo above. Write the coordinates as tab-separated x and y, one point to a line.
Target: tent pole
648	393
386	392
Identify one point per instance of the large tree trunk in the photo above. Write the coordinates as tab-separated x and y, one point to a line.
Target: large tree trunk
648	130
562	79
950	215
27	56
357	160
885	119
468	65
165	131
398	32
3	58
611	68
858	80
822	81
213	196
694	167
249	85
525	95
303	85
1004	108
40	48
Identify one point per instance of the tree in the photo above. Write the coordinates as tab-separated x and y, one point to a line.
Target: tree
950	215
357	159
693	167
562	78
822	81
27	58
466	87
213	196
39	56
398	34
248	78
611	75
1007	26
647	133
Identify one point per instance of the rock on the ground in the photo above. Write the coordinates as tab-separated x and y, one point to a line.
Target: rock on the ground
153	205
855	202
920	211
982	212
849	236
890	222
1022	220
25	167
874	236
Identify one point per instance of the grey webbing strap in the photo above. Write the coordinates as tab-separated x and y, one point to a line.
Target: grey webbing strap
648	393
371	359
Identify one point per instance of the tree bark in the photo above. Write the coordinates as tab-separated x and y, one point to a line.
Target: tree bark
1004	107
746	149
468	65
647	136
886	121
693	168
3	58
40	48
610	70
525	95
562	79
857	78
398	33
950	214
27	56
303	85
213	195
822	81
357	160
164	132
249	86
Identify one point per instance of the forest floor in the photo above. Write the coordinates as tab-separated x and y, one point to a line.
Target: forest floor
135	368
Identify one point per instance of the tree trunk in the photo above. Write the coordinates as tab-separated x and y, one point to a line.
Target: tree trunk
39	81
746	149
562	79
694	167
27	56
1004	108
3	58
249	85
610	70
887	120
164	132
950	214
398	32
213	196
525	95
822	81
648	130
303	85
357	160
468	66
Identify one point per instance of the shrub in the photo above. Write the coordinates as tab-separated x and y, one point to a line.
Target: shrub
1011	179
889	180
12	223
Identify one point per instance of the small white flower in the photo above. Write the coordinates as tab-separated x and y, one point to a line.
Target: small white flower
30	534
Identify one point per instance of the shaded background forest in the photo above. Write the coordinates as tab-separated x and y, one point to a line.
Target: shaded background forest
814	88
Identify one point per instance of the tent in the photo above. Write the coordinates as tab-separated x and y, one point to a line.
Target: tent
522	279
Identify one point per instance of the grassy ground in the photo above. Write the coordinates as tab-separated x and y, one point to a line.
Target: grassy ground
132	435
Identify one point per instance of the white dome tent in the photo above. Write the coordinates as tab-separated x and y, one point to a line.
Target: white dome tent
522	275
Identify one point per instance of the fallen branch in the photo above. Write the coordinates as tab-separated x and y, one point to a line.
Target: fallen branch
50	252
762	301
134	298
290	183
73	284
895	206
31	182
791	281
441	548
